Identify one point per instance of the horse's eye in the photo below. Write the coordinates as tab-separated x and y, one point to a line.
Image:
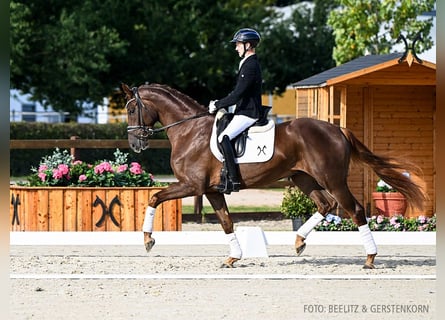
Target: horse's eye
131	109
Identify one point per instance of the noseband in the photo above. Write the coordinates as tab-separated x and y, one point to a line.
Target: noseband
146	131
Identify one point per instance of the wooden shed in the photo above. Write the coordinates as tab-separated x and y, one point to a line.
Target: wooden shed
389	102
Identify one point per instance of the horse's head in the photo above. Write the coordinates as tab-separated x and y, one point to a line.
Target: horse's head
140	119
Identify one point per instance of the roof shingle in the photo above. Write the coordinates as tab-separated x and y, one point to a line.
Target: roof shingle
351	66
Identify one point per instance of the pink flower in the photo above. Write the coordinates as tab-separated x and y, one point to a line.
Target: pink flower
135	168
380	219
57	174
43	167
42	176
63	168
122	168
421	219
103	167
393	220
77	162
82	177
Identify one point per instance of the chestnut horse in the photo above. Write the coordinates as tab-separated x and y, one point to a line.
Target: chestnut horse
314	154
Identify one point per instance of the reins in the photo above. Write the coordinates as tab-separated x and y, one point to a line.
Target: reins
149	131
200	115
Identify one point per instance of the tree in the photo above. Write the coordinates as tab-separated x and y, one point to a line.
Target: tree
373	26
71	54
297	47
59	55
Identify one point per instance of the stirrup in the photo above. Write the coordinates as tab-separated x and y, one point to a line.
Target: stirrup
228	187
236	186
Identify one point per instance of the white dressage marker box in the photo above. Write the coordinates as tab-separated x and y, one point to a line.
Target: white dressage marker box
252	242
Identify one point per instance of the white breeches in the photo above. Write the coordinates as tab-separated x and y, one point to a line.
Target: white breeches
238	124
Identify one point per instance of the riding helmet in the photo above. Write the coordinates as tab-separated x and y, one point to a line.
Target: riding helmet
247	35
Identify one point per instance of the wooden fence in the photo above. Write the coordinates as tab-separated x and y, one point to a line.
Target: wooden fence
89	209
74	143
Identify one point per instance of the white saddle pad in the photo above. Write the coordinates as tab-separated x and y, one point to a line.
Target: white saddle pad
259	144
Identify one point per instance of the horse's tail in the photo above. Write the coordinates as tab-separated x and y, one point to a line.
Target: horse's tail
389	170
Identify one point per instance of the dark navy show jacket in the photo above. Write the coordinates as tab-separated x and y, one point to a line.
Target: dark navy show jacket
247	92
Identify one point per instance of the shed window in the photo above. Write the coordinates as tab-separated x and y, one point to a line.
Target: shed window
337	103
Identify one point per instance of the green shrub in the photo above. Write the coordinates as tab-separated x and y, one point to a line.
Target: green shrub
296	204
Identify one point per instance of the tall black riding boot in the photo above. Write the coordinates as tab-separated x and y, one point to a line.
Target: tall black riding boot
230	183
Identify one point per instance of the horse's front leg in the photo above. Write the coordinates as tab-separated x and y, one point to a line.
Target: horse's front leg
174	191
218	202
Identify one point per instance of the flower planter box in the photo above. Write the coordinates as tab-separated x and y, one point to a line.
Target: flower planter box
89	209
390	203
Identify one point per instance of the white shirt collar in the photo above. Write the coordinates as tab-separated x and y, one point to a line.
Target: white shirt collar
244	59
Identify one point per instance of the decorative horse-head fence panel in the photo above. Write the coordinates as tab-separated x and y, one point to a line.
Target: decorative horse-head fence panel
88	209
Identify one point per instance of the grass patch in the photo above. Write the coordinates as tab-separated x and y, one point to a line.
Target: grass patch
208	209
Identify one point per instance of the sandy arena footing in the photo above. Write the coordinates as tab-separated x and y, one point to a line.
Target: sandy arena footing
187	282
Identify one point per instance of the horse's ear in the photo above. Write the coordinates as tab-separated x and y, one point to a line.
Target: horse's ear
127	91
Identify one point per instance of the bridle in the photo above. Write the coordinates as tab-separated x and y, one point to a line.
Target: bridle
146	131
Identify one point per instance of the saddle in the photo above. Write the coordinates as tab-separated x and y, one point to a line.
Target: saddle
239	142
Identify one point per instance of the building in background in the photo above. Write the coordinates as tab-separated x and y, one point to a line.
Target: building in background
22	108
389	102
284	106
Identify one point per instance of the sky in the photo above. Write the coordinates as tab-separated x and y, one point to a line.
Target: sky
429	55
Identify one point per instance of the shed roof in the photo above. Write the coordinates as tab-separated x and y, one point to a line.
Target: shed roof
362	64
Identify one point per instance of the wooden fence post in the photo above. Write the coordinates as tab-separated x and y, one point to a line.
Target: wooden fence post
75	153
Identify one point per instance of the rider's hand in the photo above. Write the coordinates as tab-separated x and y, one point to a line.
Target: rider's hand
212	107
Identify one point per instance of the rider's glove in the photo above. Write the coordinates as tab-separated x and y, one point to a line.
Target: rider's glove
212	107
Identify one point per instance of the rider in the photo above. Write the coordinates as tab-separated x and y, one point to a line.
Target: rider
246	96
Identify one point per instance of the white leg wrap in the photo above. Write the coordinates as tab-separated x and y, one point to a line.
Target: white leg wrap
235	249
148	219
307	227
368	239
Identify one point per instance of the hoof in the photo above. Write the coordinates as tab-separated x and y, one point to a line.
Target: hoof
229	262
300	249
369	266
150	244
227	266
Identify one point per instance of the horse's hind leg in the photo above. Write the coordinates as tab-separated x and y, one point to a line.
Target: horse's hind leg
325	204
324	201
218	202
357	213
